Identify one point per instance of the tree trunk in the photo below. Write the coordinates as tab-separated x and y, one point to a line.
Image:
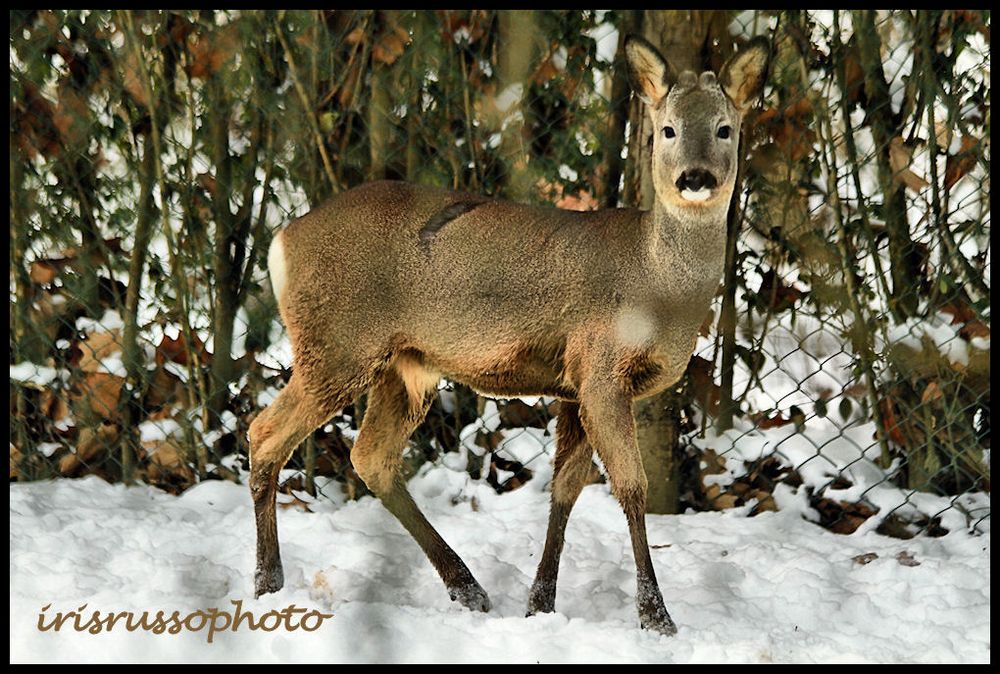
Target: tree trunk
135	382
685	38
619	113
227	273
905	258
517	49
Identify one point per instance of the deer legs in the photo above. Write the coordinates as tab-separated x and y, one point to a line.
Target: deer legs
573	469
604	418
398	402
606	413
274	434
395	408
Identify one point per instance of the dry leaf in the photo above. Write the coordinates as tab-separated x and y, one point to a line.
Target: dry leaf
213	51
932	392
15	462
544	72
90	444
43	272
355	36
295	502
961	163
892	426
166	462
975	328
900	158
866	558
71	118
132	77
99	393
391	46
97	347
702	378
905	558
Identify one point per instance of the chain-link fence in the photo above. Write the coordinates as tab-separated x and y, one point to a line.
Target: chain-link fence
843	371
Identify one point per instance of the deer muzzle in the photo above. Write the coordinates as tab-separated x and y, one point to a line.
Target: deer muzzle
696	184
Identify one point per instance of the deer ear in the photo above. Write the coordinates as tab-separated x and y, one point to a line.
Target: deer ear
744	74
648	72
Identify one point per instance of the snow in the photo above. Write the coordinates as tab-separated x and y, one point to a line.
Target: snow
772	588
36	375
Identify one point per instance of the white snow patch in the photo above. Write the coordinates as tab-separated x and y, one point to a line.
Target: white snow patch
37	375
772	588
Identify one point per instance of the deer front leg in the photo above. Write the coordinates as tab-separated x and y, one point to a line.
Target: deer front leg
606	413
573	469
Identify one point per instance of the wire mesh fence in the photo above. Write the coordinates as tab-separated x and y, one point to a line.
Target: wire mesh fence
843	371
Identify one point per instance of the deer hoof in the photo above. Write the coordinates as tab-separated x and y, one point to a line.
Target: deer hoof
268	580
472	597
658	621
542	598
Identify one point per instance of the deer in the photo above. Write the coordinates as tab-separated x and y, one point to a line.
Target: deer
389	287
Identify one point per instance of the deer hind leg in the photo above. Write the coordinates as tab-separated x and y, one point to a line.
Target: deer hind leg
573	469
397	403
606	413
274	435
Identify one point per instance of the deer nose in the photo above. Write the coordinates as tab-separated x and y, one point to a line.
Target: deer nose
696	180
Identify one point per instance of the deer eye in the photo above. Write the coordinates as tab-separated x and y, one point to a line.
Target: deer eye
668	132
724	131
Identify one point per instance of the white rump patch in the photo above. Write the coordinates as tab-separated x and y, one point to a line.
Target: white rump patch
634	327
700	195
276	264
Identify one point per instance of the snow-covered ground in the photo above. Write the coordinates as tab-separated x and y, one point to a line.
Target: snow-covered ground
772	588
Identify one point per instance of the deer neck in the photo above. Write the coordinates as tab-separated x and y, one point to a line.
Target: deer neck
687	240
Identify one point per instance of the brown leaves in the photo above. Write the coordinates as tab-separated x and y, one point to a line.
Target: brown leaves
167	464
959	164
545	71
890	423
72	118
175	350
211	52
931	393
764	421
33	123
790	128
178	29
132	77
44	272
962	313
90	445
854	75
521	474
842	517
390	45
775	294
96	392
517	414
582	200
900	158
463	27
701	377
756	485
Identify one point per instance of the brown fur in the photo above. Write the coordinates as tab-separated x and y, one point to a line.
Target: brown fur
389	286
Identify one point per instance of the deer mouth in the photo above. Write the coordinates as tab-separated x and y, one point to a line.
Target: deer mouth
696	195
696	185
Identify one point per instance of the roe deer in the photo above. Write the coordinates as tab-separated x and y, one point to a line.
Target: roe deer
389	287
